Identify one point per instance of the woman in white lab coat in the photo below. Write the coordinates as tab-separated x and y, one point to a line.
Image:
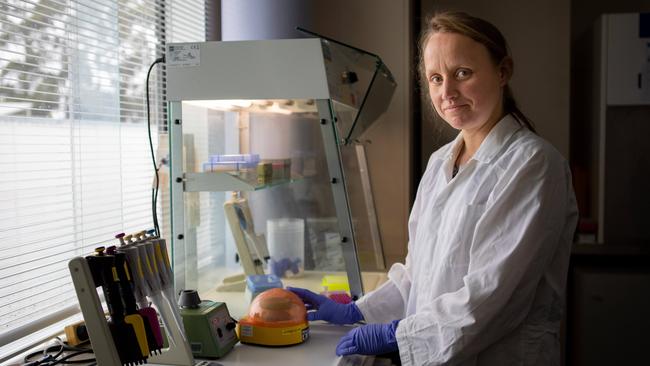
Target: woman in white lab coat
490	231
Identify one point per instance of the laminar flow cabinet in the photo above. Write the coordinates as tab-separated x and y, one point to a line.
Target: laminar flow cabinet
267	165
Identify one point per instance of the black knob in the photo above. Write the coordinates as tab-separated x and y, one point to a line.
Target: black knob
189	299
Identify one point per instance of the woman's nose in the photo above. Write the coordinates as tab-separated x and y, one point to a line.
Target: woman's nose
449	89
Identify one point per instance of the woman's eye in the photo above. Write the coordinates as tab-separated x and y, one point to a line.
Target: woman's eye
463	74
436	79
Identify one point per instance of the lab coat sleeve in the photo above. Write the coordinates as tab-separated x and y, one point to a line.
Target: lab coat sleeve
388	301
514	241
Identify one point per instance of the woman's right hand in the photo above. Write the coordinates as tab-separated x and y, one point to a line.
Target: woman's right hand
324	308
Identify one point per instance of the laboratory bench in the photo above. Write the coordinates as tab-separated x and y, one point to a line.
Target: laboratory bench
319	349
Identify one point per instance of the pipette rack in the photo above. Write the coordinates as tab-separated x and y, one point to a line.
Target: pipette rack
178	352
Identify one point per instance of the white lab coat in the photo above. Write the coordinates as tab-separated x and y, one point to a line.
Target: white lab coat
488	253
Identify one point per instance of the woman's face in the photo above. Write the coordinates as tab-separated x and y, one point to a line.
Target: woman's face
465	85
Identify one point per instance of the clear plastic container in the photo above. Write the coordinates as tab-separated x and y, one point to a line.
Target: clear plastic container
286	242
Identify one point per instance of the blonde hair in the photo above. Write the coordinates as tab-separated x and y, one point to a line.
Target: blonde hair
482	32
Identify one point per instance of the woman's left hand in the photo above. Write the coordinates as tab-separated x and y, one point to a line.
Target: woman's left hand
371	339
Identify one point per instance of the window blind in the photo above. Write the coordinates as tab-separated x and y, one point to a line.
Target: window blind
186	21
75	167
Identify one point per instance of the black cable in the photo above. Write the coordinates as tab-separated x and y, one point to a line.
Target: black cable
50	359
46	355
154	191
66	358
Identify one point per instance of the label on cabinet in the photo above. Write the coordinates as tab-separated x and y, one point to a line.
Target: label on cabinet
184	55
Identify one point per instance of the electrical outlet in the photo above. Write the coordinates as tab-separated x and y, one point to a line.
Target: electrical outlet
76	333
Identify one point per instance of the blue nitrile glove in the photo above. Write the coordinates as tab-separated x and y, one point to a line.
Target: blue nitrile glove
371	339
327	309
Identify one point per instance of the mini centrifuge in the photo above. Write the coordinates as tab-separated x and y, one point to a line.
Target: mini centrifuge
277	317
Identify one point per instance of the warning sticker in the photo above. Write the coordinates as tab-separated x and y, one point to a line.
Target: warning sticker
246	331
183	55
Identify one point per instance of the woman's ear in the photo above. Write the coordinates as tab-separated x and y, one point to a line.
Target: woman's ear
506	68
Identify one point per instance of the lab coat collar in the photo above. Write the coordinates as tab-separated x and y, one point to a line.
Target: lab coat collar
497	138
494	141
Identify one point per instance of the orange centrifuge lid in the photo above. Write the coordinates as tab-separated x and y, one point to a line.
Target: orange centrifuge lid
276	307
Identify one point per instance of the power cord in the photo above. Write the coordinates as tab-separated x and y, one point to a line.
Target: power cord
154	191
54	355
